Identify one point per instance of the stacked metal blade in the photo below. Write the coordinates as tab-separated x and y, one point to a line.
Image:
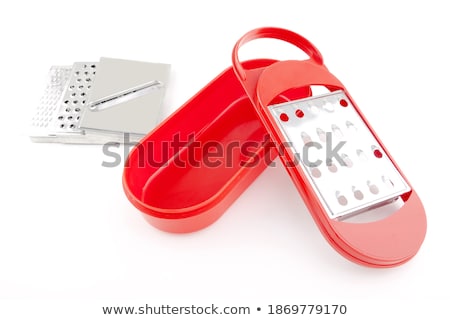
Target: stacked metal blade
99	102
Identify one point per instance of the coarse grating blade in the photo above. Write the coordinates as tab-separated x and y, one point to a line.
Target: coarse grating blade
74	98
338	154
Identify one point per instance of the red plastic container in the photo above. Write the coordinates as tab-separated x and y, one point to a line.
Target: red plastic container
177	175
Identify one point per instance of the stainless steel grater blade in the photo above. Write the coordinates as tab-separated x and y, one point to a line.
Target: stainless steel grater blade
338	154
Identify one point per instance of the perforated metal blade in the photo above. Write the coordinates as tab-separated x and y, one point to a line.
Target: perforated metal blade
43	121
74	99
338	154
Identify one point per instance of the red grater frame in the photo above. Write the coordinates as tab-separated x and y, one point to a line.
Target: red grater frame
384	243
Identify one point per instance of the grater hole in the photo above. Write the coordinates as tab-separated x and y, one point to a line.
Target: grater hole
341	199
332	167
377	153
347	161
68	109
73	94
322	135
336	130
78	118
71	87
66	102
69	118
86	73
78	80
315	172
93	66
358	194
361	155
350	126
373	188
329	107
305	137
299	113
72	126
83	102
77	72
75	101
88	79
60	118
77	109
83	94
81	87
284	117
62	125
343	102
388	182
314	110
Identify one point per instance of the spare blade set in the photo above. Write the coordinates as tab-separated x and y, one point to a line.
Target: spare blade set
357	195
99	102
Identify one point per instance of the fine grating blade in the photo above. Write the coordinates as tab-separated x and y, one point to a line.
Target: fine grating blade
338	153
43	121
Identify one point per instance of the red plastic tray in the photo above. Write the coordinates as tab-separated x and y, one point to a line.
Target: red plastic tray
178	189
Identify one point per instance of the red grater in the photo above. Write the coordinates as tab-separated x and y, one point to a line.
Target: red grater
340	167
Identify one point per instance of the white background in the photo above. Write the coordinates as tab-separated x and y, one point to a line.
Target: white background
70	242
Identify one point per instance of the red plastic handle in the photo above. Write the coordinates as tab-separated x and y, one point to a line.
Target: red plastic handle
273	33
